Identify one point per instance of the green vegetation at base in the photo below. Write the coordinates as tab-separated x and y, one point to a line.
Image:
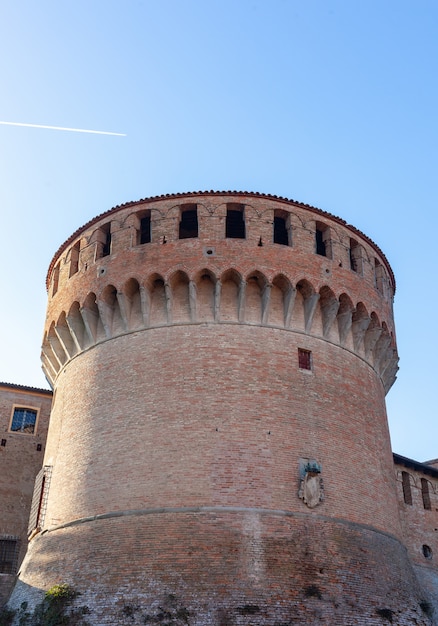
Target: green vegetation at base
54	610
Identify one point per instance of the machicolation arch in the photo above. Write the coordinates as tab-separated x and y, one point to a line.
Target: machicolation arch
229	298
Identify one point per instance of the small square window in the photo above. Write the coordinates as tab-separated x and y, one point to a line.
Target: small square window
24	420
304	359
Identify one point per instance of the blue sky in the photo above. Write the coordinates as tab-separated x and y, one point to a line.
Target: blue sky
330	103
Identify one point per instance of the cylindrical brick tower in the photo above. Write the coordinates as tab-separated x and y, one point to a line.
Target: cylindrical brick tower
218	452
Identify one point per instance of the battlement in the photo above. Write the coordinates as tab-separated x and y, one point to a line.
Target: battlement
220	258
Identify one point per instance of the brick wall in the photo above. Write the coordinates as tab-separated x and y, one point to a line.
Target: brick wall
182	421
20	461
202	414
221	568
417	489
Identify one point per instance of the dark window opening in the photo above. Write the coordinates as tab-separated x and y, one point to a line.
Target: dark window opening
304	359
355	256
379	275
427	551
281	234
235	222
144	234
74	259
55	281
3	443
106	230
188	226
425	494
323	243
353	264
8	555
24	420
406	485
320	243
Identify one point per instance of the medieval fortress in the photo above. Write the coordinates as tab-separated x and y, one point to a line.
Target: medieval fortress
218	451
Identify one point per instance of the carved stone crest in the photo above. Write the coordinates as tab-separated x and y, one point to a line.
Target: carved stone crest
311	484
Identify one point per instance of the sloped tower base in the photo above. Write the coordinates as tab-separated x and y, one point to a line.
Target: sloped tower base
224	567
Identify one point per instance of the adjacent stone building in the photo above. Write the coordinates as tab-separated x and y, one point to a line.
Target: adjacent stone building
24	420
218	450
417	490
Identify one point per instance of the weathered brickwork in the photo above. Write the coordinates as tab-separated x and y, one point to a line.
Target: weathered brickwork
22	445
417	490
218	442
246	567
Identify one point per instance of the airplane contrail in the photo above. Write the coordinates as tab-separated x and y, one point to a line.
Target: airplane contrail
72	130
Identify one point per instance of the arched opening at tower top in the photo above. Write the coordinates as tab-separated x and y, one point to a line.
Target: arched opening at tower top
235	221
281	233
188	225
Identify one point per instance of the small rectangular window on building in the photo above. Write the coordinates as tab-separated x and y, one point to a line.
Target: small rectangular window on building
24	420
304	359
55	279
406	487
379	276
8	555
323	245
356	260
188	225
235	221
106	243
281	234
425	494
144	230
74	259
